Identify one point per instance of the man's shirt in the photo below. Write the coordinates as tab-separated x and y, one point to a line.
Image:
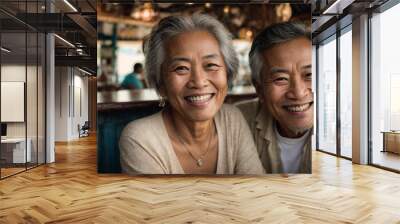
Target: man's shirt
261	124
131	81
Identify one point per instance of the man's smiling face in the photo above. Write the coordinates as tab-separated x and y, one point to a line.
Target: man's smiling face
286	86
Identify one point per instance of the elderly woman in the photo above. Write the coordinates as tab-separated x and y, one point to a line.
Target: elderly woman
190	60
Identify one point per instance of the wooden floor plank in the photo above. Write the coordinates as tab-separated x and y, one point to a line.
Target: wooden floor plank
70	191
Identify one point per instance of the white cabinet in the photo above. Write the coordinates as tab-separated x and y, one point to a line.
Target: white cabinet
391	142
17	146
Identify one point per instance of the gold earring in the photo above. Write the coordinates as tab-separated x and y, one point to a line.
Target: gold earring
162	102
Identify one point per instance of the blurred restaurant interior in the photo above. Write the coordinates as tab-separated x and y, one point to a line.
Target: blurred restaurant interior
121	30
122	27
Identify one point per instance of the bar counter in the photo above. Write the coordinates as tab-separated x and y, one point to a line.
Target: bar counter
128	99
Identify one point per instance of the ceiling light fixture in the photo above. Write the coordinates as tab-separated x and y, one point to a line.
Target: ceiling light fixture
148	12
283	12
337	7
145	13
79	51
65	41
70	5
226	9
5	49
84	71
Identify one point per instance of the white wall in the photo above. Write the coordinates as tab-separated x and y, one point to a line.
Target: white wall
33	127
12	73
62	80
71	87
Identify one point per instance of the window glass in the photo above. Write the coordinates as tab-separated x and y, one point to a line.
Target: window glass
327	96
346	94
385	89
15	149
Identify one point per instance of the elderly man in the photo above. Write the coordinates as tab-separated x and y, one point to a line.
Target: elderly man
281	118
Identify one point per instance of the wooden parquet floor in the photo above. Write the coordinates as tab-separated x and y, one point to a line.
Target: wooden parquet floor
10	171
70	191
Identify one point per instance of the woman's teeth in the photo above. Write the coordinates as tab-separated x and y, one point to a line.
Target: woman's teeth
198	99
298	108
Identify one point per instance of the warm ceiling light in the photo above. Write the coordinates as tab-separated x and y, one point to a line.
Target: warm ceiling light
249	34
147	12
5	49
70	5
226	9
146	15
283	12
245	33
64	40
136	15
208	5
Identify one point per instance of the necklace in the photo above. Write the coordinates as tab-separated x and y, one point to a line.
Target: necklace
199	161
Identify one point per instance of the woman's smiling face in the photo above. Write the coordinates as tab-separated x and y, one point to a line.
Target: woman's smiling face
194	78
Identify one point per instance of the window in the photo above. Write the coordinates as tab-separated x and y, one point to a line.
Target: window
22	75
346	75
327	96
385	88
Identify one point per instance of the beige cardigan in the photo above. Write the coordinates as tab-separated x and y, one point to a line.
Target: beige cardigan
261	125
145	147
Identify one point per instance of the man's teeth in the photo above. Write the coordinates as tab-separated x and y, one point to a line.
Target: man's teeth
197	99
297	108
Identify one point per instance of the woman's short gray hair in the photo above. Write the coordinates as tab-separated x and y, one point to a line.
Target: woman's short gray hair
154	45
269	37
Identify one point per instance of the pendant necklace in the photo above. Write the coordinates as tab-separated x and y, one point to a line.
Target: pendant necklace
199	161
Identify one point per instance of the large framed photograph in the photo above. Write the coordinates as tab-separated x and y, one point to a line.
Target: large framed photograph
216	89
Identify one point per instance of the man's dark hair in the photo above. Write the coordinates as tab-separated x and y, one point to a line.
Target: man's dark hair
269	37
138	67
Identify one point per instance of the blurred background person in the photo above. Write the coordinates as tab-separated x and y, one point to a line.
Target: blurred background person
135	79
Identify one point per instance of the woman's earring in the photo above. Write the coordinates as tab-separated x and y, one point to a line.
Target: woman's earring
162	102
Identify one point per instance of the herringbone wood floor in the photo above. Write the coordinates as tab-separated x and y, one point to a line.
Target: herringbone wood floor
70	191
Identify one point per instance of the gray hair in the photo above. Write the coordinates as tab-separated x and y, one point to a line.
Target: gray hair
169	27
269	37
